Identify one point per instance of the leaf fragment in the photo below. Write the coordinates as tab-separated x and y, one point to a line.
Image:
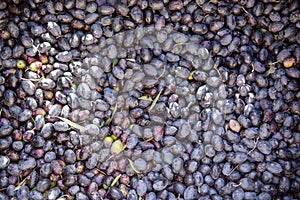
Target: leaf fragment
115	180
102	172
149	139
105	186
74	86
130	59
53	184
68	196
263	30
114	62
23	182
155	100
72	124
271	70
147	98
133	167
107	122
130	126
191	75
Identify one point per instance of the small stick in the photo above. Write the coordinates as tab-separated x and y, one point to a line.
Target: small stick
163	72
244	10
237	185
233	169
255	144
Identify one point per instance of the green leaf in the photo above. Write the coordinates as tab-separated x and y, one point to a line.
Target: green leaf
191	75
155	100
107	122
271	70
263	30
3	20
115	62
114	137
72	124
130	59
53	184
131	126
105	186
74	86
148	98
115	180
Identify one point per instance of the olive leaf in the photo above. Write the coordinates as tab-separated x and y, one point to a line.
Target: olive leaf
131	126
191	75
149	139
115	180
115	62
72	124
133	166
105	186
73	86
271	70
155	100
148	98
53	184
68	196
130	59
3	21
102	172
23	182
107	122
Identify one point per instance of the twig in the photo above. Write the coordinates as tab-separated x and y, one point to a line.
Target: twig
219	73
107	122
163	72
244	10
237	185
255	145
233	169
252	67
67	196
23	181
31	79
149	139
155	100
181	43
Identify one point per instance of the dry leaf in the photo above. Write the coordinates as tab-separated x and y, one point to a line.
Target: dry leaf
72	124
149	139
155	100
107	122
115	180
133	167
130	59
148	98
270	71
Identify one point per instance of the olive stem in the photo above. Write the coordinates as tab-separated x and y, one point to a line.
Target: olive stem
244	10
255	144
163	72
237	185
233	169
31	79
23	181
